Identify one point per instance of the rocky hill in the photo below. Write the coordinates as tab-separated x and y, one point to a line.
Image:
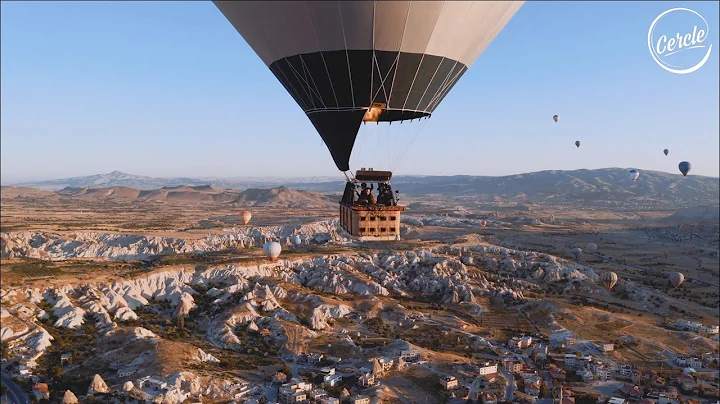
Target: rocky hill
183	194
607	184
121	179
696	214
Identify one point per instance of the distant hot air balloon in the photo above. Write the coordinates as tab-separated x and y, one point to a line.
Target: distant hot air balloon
577	143
483	223
665	253
609	279
272	250
633	174
296	240
576	252
591	247
666	151
676	279
684	168
245	216
556	118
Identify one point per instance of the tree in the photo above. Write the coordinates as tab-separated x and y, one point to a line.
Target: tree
5	350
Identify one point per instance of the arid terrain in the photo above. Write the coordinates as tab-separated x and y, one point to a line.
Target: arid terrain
130	283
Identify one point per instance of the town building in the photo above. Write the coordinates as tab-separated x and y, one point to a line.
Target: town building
577	361
607	346
411	355
513	365
487	369
360	399
332	380
126	371
449	382
366	380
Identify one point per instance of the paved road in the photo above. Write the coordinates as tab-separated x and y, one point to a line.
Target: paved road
510	391
14	392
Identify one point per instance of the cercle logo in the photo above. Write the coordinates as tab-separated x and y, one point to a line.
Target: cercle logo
677	40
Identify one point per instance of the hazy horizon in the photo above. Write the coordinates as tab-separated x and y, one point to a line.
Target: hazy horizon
182	95
290	177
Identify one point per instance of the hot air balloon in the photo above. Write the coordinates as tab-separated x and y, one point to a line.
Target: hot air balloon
245	216
272	250
351	62
576	252
556	118
577	143
666	151
483	223
684	168
296	240
633	174
665	253
591	247
676	279
609	279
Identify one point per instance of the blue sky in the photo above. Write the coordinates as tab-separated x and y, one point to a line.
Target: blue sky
171	89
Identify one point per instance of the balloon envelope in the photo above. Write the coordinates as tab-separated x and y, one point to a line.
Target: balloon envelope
296	240
245	216
591	247
666	151
676	279
633	174
272	250
577	143
349	62
576	252
556	118
609	279
684	168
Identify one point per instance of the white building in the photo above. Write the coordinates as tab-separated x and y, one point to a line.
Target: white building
449	382
607	346
601	371
681	324
709	329
627	370
366	380
541	351
689	361
332	380
411	355
586	375
127	371
487	369
360	399
386	363
561	339
577	361
329	400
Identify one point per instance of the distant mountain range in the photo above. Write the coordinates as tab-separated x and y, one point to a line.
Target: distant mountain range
121	179
607	184
186	195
